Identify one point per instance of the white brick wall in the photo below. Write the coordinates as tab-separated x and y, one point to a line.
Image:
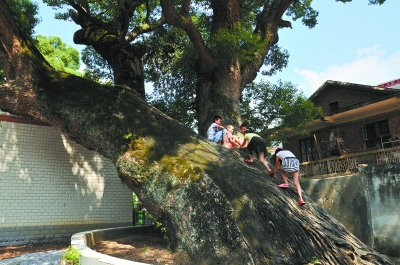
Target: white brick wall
52	187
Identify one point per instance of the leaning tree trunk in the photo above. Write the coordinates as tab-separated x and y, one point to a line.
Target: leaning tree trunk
216	209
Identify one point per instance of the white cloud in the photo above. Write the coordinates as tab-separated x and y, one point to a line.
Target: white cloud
372	67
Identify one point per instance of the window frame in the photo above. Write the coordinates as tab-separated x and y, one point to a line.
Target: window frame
310	148
334	106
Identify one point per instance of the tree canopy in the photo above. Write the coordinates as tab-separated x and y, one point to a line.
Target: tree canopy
58	54
27	13
275	110
96	68
200	53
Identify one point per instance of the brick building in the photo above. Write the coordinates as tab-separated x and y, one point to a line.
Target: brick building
52	187
356	118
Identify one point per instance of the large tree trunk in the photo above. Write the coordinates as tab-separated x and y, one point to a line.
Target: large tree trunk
219	88
216	209
220	83
218	93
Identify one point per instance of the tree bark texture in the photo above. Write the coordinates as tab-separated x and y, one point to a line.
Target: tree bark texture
216	209
218	93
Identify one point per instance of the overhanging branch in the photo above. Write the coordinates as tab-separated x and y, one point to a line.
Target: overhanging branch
172	17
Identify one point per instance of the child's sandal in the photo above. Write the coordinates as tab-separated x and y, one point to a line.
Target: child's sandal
283	186
301	203
248	162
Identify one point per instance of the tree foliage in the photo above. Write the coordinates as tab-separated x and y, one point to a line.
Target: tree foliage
200	54
371	2
2	76
170	67
27	14
275	61
58	54
96	68
273	110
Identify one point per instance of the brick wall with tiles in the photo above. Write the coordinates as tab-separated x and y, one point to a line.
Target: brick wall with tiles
52	187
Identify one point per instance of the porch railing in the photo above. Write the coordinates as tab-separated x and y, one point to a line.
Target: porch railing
388	157
349	162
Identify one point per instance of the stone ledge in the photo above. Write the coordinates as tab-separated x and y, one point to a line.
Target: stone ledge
84	240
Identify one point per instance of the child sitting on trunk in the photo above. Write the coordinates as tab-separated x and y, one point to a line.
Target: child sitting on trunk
216	132
232	141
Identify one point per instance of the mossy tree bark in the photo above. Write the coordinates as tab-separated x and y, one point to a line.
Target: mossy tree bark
217	210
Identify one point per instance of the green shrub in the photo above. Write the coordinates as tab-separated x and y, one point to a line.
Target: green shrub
72	255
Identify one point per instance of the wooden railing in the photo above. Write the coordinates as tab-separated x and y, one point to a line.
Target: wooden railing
349	162
388	157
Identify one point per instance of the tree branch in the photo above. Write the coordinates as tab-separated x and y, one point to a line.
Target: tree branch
83	18
172	17
131	36
185	7
268	23
126	9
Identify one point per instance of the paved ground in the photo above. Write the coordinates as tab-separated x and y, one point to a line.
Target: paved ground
14	251
51	257
151	249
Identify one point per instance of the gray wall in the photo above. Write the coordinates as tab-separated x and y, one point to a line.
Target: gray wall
52	187
384	193
367	204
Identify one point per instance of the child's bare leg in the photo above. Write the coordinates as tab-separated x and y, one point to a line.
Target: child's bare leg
297	184
283	176
235	141
224	140
250	158
265	163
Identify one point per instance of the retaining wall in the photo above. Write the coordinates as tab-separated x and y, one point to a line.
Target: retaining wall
52	187
384	200
367	204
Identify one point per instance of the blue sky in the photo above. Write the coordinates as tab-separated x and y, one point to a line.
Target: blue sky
353	42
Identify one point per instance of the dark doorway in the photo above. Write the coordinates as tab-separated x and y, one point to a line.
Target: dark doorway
376	133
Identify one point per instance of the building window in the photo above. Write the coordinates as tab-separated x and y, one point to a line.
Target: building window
334	106
375	134
364	132
308	151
